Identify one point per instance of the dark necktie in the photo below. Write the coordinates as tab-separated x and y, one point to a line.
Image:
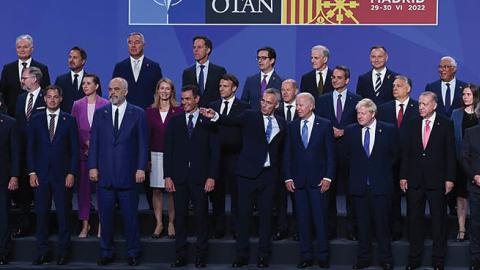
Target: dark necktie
448	99
400	116
115	123
268	131
320	84
263	85
29	106
378	83
225	108
289	113
201	80
305	133
24	64
190	125
339	108
51	126
75	82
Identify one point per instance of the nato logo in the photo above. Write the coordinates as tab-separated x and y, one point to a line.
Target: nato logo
158	12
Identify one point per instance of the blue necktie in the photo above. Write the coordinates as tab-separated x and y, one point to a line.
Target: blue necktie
201	80
305	133
190	125
366	146
268	131
447	99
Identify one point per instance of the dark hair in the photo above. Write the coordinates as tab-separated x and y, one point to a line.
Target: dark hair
475	94
378	47
82	52
271	53
54	87
208	42
345	70
230	77
96	80
193	88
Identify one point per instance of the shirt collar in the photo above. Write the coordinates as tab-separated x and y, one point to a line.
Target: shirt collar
383	71
28	61
372	126
293	103
121	107
132	60
450	82
80	74
310	119
57	112
197	64
269	74
397	103
35	92
230	100
431	118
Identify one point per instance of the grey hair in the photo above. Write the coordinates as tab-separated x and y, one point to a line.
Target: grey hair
24	36
368	104
142	38
308	96
325	50
293	82
122	80
430	94
451	59
36	72
274	91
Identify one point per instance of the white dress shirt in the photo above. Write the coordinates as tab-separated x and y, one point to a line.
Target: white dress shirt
195	116
35	95
205	71
79	78
372	128
230	102
122	108
136	71
397	106
275	131
343	99
292	108
382	75
20	66
324	75
424	122
310	120
452	90
269	75
49	118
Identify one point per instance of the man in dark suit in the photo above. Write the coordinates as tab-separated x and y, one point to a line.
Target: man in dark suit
309	167
448	88
192	153
377	83
117	160
71	82
141	73
230	147
427	173
339	107
286	110
9	173
257	171
256	85
398	112
29	103
471	164
52	161
318	81
371	150
10	84
204	74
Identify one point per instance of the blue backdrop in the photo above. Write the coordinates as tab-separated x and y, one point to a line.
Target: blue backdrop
101	27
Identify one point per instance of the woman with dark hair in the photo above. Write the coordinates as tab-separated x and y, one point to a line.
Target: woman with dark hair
159	114
463	118
83	110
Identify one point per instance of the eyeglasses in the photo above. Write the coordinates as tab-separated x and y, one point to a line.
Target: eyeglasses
24	78
445	66
262	58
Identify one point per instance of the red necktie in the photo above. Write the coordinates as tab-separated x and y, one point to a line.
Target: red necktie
400	116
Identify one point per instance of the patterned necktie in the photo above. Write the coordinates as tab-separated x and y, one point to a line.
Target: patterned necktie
115	123
268	131
51	126
29	107
448	99
190	125
75	82
366	141
339	108
400	116
24	64
263	85
320	84
289	113
378	83
426	134
201	80
305	134
225	108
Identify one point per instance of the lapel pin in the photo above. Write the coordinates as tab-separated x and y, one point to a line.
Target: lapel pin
388	76
105	111
64	118
380	130
1	120
148	65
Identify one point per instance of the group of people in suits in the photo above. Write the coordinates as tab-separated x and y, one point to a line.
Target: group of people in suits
266	147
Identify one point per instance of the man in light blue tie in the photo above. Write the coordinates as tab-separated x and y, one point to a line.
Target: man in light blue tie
309	167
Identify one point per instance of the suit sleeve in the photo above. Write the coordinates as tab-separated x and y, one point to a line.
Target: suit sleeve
74	147
330	147
45	78
467	156
405	152
214	164
450	153
245	93
14	151
359	87
31	147
142	142
287	156
168	150
94	137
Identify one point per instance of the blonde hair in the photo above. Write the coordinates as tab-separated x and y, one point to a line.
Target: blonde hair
156	101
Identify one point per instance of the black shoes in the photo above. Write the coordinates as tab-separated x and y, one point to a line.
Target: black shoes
179	262
3	260
280	236
19	233
219	234
305	264
262	262
104	261
62	260
324	264
412	266
295	237
133	261
438	267
361	265
387	266
41	260
240	262
200	262
351	236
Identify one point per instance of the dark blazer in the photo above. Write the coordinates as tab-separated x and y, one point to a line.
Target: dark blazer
70	94
255	146
251	90
197	156
429	168
436	87
365	87
52	161
280	112
324	108
378	166
10	83
471	156
230	136
214	75
387	113
20	115
118	159
140	93
309	83
10	149
307	166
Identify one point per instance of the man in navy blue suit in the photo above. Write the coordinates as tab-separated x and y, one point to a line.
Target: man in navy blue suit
9	173
309	167
117	160
230	147
339	107
256	85
318	81
52	161
398	112
192	153
377	83
371	150
257	171
141	73
204	74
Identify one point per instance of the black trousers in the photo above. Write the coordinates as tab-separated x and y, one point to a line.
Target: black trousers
474	226
4	222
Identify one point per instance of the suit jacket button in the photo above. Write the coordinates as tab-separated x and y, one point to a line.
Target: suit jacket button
423	154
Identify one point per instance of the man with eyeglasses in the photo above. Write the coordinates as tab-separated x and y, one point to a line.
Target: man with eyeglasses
448	88
256	84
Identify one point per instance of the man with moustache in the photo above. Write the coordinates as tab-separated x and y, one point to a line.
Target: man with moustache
52	163
117	160
318	81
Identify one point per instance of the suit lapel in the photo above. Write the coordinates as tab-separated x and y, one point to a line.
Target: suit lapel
59	129
348	106
313	135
